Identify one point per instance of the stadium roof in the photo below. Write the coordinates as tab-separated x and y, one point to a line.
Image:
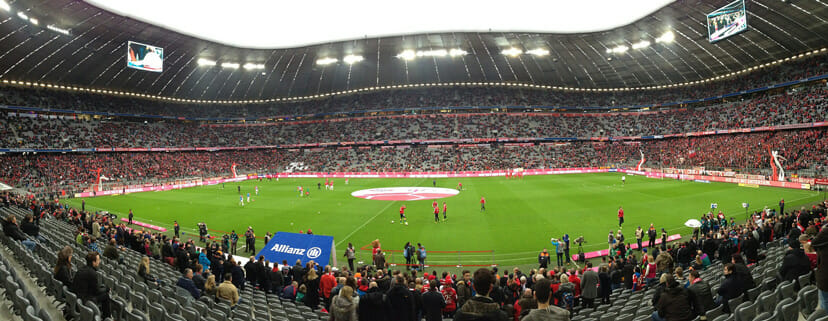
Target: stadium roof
290	24
75	43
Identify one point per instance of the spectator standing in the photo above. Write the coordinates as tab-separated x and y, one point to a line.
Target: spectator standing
343	307
227	291
546	311
589	286
433	302
543	259
820	244
481	306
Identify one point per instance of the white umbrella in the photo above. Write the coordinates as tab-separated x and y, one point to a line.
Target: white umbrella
692	223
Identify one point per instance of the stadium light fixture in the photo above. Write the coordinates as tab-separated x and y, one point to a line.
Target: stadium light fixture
619	49
58	29
230	65
667	37
352	59
512	52
206	62
252	66
5	5
641	44
22	15
407	55
432	53
326	61
538	52
457	52
34	21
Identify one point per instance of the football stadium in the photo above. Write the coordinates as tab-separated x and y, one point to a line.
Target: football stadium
466	160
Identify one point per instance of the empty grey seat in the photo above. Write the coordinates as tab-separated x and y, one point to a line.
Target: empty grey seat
764	316
156	311
767	301
174	317
786	290
190	314
625	317
171	306
135	316
44	316
745	311
609	316
30	315
86	313
724	317
789	310
809	299
804	280
817	315
139	301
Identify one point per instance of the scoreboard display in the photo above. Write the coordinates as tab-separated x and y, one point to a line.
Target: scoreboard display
727	21
145	57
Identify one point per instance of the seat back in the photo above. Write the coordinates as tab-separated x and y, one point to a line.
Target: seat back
786	290
809	299
790	311
745	311
86	313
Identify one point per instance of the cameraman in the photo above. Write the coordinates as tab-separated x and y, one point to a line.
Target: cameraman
558	250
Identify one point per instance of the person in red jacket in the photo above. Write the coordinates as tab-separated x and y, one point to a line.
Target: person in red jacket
450	295
482	204
620	216
326	283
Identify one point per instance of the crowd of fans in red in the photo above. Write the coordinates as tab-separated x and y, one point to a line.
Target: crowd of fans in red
794	106
802	149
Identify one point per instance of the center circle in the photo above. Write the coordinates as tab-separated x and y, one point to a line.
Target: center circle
405	193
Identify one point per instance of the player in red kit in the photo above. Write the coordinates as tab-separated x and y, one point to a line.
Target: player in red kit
444	211
620	216
482	204
459	186
436	214
403	220
434	204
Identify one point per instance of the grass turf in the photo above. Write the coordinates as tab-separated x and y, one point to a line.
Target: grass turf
521	214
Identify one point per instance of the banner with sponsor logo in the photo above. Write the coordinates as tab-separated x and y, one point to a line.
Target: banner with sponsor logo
297	246
733	180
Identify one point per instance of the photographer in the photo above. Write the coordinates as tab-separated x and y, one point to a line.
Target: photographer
202	232
558	250
580	241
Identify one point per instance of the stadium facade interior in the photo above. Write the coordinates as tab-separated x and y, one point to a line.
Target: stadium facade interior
93	101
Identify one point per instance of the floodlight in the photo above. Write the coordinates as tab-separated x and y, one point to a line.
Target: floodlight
351	59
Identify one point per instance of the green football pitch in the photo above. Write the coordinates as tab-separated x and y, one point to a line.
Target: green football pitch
521	214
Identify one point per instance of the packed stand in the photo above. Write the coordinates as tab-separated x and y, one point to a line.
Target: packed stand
796	106
412	97
763	269
748	153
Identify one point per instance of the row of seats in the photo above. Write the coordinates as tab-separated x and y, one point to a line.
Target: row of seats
768	301
135	300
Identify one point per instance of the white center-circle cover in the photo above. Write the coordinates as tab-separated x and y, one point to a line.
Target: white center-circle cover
405	193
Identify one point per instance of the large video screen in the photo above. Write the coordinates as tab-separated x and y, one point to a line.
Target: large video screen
145	57
727	21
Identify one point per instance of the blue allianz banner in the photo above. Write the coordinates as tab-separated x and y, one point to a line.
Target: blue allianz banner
304	247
